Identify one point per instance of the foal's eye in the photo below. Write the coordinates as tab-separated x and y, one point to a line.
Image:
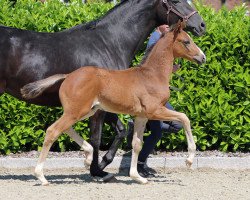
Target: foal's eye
186	42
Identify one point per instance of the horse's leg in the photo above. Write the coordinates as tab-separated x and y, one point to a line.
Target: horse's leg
139	128
52	133
2	86
170	115
116	124
88	149
96	123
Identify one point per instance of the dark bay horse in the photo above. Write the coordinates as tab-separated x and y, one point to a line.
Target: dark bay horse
89	89
27	56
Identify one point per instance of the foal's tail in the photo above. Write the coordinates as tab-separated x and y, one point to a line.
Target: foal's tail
35	89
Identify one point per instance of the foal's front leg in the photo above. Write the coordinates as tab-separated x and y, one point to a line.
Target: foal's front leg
139	128
88	149
162	113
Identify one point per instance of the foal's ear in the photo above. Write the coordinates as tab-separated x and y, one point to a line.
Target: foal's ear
183	25
177	29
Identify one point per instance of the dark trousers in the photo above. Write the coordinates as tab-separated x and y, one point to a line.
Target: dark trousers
157	127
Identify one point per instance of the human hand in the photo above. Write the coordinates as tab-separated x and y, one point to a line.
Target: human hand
164	28
176	67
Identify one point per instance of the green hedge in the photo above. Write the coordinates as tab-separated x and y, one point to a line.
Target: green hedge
216	95
22	126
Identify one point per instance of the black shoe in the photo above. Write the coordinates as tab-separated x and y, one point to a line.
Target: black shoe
144	172
151	170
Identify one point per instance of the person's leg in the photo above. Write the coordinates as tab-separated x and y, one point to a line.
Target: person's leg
151	140
149	144
171	126
156	128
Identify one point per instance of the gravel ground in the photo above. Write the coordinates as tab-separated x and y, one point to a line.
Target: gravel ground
180	184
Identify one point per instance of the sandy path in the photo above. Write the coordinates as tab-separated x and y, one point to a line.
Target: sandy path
181	184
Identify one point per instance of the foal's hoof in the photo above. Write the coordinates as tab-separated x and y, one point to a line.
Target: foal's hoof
140	180
86	164
45	183
143	182
189	163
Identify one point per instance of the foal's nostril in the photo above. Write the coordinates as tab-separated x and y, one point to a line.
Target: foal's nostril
204	59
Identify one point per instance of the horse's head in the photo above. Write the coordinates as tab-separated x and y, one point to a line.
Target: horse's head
184	46
171	11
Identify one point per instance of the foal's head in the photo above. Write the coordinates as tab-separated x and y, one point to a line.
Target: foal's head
184	46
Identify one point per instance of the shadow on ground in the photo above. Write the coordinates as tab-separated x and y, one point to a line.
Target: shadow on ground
121	177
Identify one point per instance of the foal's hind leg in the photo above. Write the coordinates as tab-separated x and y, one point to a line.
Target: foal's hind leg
52	133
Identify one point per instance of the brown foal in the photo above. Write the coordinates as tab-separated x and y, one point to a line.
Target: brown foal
138	91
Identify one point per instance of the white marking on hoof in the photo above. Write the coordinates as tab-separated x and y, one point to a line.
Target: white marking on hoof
39	174
42	179
189	163
135	176
89	158
86	164
45	183
140	179
88	150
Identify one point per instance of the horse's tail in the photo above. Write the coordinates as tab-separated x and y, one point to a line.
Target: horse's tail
35	89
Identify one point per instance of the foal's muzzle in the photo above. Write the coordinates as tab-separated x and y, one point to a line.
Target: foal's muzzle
200	59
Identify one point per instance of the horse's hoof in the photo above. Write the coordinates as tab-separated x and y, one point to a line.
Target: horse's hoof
109	178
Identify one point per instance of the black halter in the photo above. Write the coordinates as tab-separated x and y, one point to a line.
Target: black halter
171	9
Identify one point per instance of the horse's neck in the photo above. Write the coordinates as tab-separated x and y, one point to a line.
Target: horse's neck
128	26
160	60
